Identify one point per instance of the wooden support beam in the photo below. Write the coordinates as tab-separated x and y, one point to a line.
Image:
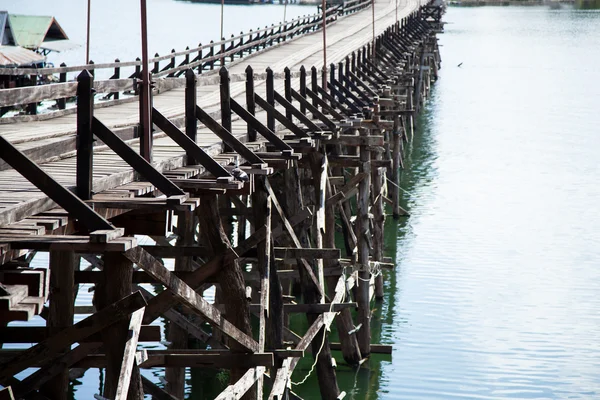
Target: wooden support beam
227	137
296	112
238	389
127	364
136	161
186	143
54	190
186	294
48	348
314	110
295	129
260	128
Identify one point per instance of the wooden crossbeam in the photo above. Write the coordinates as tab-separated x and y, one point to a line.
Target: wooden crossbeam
84	328
348	189
81	244
189	145
187	295
51	188
36	334
136	161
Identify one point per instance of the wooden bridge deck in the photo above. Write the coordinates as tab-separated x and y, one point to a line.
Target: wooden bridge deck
20	198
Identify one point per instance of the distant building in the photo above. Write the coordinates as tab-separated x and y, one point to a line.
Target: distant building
41	34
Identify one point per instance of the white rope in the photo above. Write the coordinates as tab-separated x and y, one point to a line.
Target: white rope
312	368
390	181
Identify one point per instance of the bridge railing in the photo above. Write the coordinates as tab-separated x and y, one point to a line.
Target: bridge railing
122	87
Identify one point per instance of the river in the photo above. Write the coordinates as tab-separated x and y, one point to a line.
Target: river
496	293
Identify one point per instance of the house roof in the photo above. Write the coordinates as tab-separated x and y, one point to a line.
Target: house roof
15	56
30	31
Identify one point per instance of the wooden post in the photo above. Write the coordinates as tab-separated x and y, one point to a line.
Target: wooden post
303	87
85	137
344	323
191	123
31	108
288	91
222	60
362	234
396	163
325	372
199	58
62	103
229	276
60	313
250	104
117	75
314	83
115	285
377	208
177	336
270	98
225	103
156	68
211	54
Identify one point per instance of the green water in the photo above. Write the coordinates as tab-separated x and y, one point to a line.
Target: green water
497	287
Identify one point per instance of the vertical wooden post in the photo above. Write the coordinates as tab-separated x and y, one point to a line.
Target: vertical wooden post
211	54
229	276
62	103
250	38
270	98
191	123
225	103
362	234
177	336
314	83
288	90
199	58
344	323
117	75
115	285
137	75
250	104
85	137
303	87
60	313
156	68
396	163
32	107
332	78
240	45
377	208
325	372
222	60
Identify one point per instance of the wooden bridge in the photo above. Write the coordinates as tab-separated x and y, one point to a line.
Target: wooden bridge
258	155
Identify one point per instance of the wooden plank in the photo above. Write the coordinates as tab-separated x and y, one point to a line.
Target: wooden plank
156	392
48	348
309	253
135	324
186	294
